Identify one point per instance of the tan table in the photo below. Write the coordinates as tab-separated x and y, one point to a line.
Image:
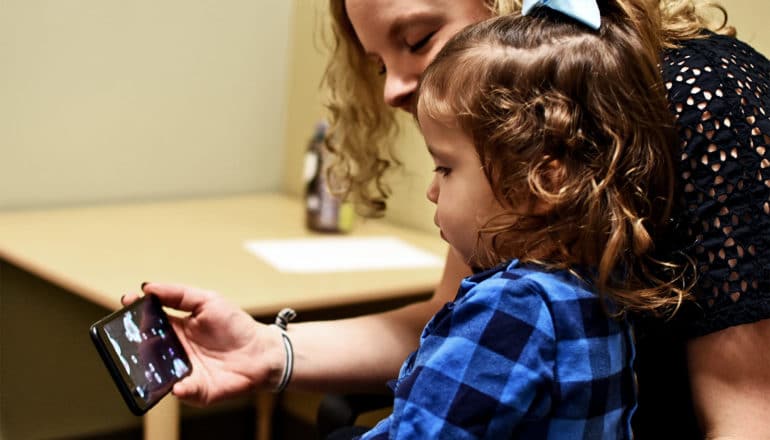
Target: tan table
100	252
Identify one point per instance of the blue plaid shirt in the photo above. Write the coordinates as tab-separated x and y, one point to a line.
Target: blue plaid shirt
520	353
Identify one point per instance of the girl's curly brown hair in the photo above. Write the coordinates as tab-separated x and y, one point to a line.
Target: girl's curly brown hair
577	120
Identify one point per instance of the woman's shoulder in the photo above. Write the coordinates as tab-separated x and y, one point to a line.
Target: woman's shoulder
715	50
711	80
713	62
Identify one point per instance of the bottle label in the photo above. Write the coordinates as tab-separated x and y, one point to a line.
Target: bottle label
313	202
327	217
311	166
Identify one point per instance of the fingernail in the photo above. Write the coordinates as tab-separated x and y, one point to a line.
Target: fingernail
144	284
122	297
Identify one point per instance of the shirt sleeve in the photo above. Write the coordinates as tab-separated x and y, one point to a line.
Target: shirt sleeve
718	91
484	363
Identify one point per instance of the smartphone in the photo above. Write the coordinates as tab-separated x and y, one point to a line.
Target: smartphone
141	352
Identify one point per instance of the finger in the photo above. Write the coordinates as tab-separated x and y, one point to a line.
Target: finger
181	391
187	390
129	298
184	298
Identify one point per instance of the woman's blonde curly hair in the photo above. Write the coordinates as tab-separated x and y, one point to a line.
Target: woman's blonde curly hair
363	127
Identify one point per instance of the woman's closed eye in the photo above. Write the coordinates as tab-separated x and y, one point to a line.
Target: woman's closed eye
419	44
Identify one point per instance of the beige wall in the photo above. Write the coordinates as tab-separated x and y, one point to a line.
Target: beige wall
106	100
304	99
750	17
109	100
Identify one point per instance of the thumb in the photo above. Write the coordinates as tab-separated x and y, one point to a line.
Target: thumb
187	390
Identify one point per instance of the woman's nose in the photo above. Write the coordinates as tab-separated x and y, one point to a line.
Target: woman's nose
399	91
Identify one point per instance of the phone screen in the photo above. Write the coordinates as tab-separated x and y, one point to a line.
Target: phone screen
142	352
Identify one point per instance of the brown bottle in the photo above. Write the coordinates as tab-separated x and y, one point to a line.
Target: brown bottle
323	211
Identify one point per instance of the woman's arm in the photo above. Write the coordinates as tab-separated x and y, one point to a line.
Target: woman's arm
362	353
730	379
233	354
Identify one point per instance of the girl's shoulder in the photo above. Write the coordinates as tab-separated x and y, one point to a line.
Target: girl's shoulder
552	285
518	289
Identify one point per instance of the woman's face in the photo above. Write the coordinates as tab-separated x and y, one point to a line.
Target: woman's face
403	37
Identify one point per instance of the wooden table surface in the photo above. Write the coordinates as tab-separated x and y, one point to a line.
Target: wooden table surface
101	252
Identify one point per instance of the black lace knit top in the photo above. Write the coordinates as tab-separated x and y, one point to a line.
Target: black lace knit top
719	92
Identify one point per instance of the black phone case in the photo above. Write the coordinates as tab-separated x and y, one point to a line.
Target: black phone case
138	408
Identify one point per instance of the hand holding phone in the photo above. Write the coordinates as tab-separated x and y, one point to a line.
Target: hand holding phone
142	352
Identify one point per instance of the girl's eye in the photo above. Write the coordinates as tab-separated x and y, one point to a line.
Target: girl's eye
421	43
381	70
444	171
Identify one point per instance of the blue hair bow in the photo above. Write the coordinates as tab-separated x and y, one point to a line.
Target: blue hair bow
584	11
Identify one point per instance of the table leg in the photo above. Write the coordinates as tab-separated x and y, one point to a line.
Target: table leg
265	406
163	420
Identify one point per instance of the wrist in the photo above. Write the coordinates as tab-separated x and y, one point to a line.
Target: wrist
280	373
275	358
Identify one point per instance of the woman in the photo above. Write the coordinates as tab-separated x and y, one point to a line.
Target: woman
383	47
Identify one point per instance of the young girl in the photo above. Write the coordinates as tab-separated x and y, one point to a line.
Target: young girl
554	172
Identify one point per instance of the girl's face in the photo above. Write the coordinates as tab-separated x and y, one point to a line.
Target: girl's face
404	36
460	189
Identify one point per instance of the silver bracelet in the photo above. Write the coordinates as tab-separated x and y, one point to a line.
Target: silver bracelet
281	321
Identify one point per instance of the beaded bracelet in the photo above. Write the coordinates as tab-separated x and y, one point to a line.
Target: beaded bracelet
281	321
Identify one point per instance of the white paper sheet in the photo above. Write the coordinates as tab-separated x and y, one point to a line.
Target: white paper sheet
341	254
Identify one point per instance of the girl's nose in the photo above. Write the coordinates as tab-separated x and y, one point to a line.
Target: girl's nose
432	192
